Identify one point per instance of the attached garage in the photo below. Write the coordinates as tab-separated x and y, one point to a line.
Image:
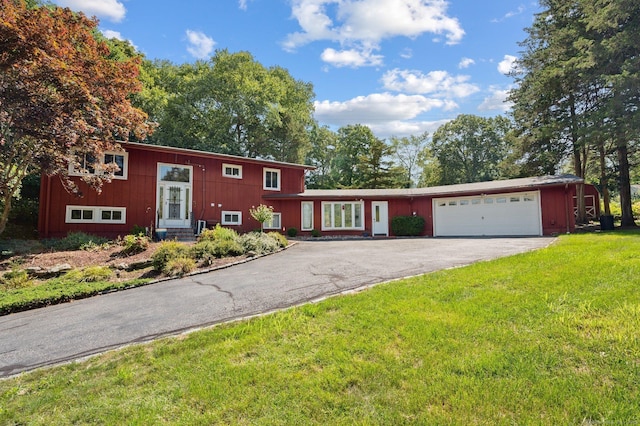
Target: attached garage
513	214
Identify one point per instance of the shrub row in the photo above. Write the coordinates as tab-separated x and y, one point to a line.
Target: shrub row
174	258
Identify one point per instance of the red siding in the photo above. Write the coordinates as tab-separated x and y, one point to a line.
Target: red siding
138	192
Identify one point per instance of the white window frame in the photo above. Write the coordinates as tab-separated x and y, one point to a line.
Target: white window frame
223	220
125	165
264	179
333	227
225	166
97	214
302	204
271	225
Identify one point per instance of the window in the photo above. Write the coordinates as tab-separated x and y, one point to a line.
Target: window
514	199
488	200
307	216
274	223
442	203
528	198
501	200
95	214
272	179
231	218
172	173
117	162
464	202
475	201
453	203
232	171
345	216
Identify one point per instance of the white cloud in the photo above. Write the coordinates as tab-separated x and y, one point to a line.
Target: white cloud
350	58
438	83
200	45
242	4
406	53
496	101
511	14
508	64
405	128
365	23
377	109
112	10
466	63
112	34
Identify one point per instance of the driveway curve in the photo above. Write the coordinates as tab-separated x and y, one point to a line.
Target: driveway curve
307	271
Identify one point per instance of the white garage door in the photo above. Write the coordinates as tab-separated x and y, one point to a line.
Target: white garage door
488	215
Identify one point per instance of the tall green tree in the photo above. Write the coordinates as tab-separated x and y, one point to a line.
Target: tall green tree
230	104
407	153
323	143
60	92
471	148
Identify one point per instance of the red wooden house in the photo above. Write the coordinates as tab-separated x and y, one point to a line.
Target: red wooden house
174	188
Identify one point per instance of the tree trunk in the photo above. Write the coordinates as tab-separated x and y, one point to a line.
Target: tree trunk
578	162
604	180
6	208
625	186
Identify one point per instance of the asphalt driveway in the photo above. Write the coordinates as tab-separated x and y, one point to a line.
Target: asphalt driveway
308	271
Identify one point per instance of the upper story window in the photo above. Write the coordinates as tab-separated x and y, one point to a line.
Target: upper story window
272	179
232	171
117	162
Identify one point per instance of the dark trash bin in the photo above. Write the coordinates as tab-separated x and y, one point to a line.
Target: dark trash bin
606	223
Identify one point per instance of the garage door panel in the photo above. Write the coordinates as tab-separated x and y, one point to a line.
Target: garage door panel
494	215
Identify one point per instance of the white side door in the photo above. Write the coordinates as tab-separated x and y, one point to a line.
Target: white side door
380	218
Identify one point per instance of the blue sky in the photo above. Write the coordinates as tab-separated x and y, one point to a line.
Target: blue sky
401	67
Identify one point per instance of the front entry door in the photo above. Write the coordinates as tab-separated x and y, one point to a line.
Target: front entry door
174	196
380	217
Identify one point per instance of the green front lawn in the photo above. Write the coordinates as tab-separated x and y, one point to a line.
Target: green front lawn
547	337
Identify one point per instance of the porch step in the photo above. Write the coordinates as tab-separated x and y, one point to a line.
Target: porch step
181	234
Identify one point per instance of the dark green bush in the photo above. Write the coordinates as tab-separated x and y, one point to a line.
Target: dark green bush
315	233
292	232
168	251
138	230
407	225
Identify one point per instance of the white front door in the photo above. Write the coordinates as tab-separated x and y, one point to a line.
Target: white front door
174	196
380	217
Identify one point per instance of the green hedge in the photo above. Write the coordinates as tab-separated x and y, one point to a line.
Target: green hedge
403	226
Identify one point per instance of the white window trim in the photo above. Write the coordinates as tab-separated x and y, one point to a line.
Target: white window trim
353	228
269	224
125	164
183	166
226	212
233	166
302	204
97	214
264	179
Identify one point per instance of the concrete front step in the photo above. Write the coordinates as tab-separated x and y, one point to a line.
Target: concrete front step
180	234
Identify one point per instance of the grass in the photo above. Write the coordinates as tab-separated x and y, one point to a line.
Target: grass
547	337
72	286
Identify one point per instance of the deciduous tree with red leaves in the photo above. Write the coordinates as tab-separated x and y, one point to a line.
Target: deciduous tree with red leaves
60	94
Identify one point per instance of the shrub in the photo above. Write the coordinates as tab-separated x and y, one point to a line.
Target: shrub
207	250
407	225
292	232
79	241
16	278
280	239
218	233
92	274
168	250
315	233
134	244
179	266
258	243
138	230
